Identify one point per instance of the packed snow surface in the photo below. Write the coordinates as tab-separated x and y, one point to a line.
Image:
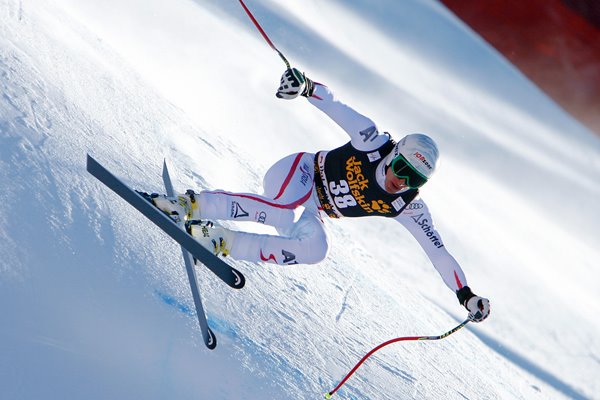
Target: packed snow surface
94	299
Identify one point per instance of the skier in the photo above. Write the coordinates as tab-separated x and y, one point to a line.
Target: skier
371	175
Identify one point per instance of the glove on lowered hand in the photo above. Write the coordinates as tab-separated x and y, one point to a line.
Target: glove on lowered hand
478	307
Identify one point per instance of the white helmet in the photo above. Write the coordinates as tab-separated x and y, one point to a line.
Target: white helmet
420	151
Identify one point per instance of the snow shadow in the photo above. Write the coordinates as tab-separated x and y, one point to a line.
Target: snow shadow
529	366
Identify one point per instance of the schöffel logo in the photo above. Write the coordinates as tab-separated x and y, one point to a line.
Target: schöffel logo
237	211
428	229
423	159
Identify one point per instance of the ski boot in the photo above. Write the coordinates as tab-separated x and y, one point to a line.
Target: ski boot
180	208
212	237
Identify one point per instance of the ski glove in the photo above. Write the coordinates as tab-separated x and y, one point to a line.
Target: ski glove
478	307
293	84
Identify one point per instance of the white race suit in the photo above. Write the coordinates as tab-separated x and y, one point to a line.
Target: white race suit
290	184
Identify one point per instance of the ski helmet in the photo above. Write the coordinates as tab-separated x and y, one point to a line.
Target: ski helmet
419	150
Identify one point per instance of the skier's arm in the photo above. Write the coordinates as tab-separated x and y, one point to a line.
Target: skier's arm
362	130
418	221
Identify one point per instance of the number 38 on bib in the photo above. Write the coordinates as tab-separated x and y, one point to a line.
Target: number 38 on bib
340	192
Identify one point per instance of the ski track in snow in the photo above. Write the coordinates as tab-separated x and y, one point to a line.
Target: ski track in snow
95	301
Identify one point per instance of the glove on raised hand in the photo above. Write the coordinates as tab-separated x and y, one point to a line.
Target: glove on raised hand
478	307
293	84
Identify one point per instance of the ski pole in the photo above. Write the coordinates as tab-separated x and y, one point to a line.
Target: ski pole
399	339
264	35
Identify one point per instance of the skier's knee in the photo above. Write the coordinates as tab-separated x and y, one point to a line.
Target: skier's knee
317	252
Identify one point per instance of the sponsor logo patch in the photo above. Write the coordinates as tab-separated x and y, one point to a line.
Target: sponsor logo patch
261	217
237	211
414	206
374	156
422	158
369	134
398	204
304	179
357	183
428	229
289	257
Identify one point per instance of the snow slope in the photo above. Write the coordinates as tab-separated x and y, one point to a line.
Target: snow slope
95	302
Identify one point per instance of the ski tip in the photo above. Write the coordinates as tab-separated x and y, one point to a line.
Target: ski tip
239	280
210	340
328	395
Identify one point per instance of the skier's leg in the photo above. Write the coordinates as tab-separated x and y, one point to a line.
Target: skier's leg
290	178
222	205
307	243
288	184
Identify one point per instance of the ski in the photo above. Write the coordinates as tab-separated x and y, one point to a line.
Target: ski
224	271
209	337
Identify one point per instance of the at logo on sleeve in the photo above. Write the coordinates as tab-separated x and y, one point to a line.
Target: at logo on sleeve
369	134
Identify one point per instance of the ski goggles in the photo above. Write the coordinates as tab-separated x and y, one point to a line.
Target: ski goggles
403	170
